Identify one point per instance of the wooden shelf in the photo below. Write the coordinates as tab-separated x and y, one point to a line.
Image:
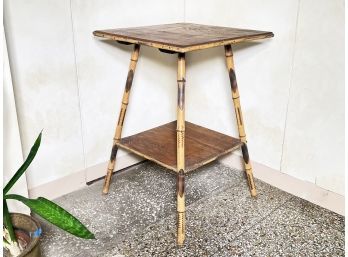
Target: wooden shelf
202	145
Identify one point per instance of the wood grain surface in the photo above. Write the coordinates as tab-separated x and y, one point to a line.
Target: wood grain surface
202	145
182	37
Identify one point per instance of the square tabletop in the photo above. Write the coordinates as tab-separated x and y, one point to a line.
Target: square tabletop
182	37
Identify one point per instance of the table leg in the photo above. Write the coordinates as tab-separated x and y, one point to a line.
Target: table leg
180	134
239	117
125	99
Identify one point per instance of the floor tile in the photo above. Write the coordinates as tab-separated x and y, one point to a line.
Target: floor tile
137	198
138	218
212	223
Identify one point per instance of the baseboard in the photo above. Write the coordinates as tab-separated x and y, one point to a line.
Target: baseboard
78	180
303	189
99	170
297	187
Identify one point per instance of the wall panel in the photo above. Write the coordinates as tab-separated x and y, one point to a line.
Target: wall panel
314	138
40	45
103	67
262	69
70	83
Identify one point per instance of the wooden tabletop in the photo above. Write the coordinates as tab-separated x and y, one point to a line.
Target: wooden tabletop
182	37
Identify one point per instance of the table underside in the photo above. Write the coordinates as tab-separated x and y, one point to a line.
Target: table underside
182	37
202	145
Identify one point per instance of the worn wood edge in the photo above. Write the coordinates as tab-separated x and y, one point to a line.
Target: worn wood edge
174	169
174	48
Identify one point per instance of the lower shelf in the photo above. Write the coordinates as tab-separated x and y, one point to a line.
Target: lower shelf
202	145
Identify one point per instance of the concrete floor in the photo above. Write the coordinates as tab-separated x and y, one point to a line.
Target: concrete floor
138	218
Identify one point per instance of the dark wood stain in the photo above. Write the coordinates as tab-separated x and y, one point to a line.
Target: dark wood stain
129	80
245	153
180	185
160	145
233	80
113	152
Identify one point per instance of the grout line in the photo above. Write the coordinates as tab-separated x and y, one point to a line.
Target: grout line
78	93
218	191
263	218
290	85
214	192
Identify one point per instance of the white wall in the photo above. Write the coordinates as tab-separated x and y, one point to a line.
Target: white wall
71	84
262	69
41	51
314	138
103	66
292	86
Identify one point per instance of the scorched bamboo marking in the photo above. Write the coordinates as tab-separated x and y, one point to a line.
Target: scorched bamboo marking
180	132
117	137
239	117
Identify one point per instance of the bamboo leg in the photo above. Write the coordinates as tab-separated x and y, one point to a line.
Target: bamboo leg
125	99
180	134
238	111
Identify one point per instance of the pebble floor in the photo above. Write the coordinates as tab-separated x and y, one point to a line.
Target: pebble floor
138	218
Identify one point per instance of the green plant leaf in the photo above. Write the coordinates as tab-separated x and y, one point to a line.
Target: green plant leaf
55	214
24	166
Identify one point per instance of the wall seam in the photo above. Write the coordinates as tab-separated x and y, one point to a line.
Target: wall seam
290	84
6	44
78	91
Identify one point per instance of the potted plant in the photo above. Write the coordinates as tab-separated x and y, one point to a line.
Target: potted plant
22	232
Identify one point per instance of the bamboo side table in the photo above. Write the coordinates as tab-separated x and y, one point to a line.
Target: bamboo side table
179	145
